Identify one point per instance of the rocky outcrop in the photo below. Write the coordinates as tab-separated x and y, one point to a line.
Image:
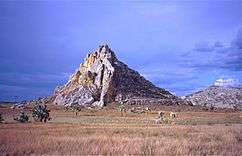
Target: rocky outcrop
102	79
218	96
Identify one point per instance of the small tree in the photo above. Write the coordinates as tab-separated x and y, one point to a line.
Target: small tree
41	113
23	118
75	107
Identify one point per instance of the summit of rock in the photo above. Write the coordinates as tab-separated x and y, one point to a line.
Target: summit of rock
102	79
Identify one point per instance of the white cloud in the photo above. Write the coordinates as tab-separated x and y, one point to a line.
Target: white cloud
223	82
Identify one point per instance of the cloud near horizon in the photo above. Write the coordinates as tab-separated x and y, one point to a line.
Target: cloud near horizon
21	86
206	62
211	56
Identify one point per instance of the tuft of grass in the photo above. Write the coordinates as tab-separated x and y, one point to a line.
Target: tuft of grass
148	147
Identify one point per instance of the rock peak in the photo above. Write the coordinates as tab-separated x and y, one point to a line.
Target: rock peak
102	79
102	53
105	51
103	48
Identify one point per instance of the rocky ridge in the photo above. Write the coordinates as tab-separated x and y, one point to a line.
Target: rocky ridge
218	96
102	79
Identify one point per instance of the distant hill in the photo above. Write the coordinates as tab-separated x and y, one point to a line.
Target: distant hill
6	103
218	96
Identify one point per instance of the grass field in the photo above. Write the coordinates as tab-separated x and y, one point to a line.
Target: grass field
108	132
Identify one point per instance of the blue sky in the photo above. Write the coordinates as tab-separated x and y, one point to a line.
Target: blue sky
182	46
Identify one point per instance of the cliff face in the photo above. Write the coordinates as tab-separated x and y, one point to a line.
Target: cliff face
218	96
102	78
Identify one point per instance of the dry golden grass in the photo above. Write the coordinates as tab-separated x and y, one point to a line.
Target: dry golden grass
77	139
108	132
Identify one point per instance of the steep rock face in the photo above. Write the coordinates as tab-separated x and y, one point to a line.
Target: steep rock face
102	78
218	96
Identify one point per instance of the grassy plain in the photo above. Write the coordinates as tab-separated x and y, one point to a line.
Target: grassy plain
108	132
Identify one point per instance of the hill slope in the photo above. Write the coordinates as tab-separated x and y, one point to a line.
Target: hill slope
218	96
